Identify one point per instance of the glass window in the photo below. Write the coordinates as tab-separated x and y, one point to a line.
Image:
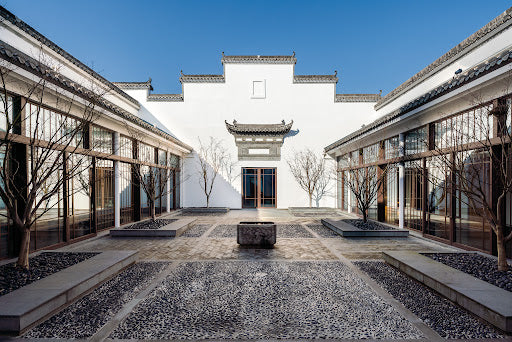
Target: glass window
413	195
104	187
392	148
438	198
146	153
416	141
391	194
79	196
354	157
125	147
371	154
102	140
174	161
125	186
5	110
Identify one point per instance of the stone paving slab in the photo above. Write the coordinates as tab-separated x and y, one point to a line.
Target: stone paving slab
173	229
23	307
479	297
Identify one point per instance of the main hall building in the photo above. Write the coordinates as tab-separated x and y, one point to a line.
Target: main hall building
261	112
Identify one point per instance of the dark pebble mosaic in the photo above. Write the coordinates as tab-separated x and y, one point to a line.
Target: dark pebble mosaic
263	300
368	225
85	317
477	265
323	231
40	266
151	224
196	231
440	314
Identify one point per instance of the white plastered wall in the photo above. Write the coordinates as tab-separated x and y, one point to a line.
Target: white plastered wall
311	106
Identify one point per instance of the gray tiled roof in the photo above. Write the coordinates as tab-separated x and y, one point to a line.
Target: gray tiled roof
465	77
165	97
6	15
21	60
259	129
202	78
135	85
357	97
315	79
481	36
257	59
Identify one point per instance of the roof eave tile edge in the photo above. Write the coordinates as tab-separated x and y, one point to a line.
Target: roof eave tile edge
442	90
20	24
31	65
488	31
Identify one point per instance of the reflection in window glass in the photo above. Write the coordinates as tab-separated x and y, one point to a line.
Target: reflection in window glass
102	140
79	196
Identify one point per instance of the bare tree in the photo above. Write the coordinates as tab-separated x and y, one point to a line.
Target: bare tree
309	170
475	150
365	184
152	179
325	184
230	169
212	157
41	148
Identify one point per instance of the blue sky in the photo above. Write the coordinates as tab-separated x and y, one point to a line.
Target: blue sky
373	44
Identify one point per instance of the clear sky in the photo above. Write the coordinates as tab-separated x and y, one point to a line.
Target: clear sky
373	44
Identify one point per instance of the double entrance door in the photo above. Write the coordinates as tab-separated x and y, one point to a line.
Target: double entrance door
258	187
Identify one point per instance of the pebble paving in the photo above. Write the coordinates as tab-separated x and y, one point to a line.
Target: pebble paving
479	266
446	318
260	300
323	231
86	316
196	231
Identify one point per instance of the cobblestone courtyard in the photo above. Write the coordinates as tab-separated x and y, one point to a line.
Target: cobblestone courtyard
313	285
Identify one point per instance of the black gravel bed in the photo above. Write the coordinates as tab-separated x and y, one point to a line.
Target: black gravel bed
440	314
478	266
196	231
150	224
323	231
292	231
368	225
40	266
85	317
283	231
223	231
264	300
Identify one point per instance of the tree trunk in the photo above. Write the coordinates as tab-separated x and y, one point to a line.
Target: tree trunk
310	200
153	211
365	218
500	244
207	201
24	249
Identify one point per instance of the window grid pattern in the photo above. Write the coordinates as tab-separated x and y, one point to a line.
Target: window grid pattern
102	140
416	141
392	148
371	154
125	147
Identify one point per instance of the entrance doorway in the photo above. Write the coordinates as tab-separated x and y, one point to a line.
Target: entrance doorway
258	187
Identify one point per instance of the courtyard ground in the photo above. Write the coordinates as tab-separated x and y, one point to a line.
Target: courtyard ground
313	284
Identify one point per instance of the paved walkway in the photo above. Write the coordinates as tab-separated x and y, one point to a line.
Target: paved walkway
203	286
